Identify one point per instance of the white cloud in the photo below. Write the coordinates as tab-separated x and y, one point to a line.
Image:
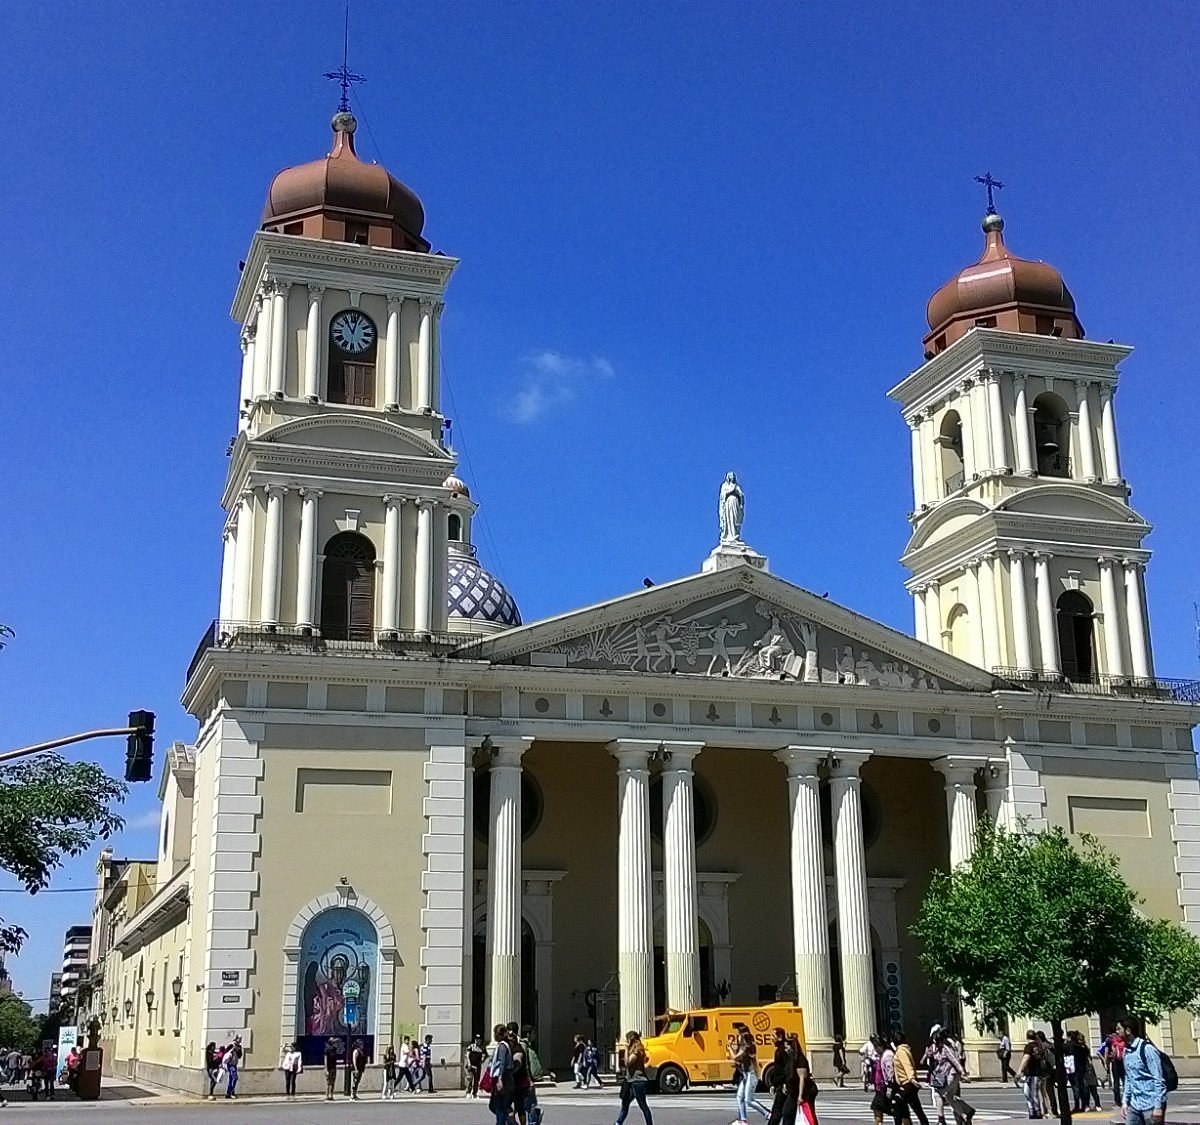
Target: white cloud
550	380
139	822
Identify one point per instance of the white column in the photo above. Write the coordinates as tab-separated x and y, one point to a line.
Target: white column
810	933
1139	640
424	358
504	881
1020	610
966	418
1047	624
313	337
918	462
246	386
439	610
262	340
1087	439
919	612
850	868
391	563
635	938
680	929
1108	434
435	354
995	412
933	616
272	556
1024	442
423	571
1112	618
391	373
279	337
986	578
306	571
245	557
228	571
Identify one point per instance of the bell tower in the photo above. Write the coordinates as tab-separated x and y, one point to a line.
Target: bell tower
1025	556
338	519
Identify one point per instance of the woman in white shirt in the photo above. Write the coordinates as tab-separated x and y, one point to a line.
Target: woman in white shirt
291	1065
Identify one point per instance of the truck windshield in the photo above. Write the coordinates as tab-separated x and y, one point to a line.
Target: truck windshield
673	1025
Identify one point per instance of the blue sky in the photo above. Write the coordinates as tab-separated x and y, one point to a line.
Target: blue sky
694	237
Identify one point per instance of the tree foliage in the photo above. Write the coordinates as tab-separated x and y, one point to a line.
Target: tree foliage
18	1028
1034	926
51	809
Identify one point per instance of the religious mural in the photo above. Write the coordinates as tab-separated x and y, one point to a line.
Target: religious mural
739	634
339	957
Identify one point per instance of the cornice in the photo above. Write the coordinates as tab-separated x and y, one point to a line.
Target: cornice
338	265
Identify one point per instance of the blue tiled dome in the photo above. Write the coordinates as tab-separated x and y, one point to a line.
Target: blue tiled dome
475	594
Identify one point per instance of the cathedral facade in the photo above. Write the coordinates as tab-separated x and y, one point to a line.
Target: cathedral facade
405	812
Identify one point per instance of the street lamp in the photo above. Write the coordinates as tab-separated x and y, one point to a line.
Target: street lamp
177	988
128	1008
149	999
114	1013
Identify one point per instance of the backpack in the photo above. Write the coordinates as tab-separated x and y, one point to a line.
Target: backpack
1169	1073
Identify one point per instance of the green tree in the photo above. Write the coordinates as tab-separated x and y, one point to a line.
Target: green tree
1038	927
18	1028
50	809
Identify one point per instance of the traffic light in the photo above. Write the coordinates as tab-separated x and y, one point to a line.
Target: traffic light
139	753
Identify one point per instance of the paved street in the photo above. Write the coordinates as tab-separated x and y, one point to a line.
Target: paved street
994	1104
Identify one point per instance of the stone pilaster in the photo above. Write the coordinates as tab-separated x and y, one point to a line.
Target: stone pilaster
679	876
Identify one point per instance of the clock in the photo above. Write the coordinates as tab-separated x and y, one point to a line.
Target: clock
352	332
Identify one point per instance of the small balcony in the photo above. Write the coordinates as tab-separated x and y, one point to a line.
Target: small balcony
1129	687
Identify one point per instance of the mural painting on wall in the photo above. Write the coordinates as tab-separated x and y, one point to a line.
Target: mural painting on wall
742	636
338	958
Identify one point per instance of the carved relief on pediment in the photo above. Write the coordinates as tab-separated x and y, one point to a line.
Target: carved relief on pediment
745	637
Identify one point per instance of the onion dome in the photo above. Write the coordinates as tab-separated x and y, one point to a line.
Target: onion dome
475	595
344	200
1001	291
457	487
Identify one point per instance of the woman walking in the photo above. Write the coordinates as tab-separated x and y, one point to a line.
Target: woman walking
745	1058
388	1090
212	1067
945	1075
231	1062
805	1082
291	1065
840	1067
500	1074
633	1086
358	1061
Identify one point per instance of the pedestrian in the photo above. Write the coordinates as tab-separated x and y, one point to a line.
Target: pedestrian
291	1065
591	1065
387	1090
1144	1098
634	1080
333	1053
1004	1054
578	1065
500	1081
806	1084
358	1066
1027	1076
945	1077
1077	1056
882	1081
427	1060
840	1067
1047	1075
907	1085
1115	1055
49	1067
746	1058
866	1057
405	1062
231	1061
784	1086
212	1067
1091	1083
474	1065
522	1096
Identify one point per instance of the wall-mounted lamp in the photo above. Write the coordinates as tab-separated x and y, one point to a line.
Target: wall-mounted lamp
177	988
149	999
128	1008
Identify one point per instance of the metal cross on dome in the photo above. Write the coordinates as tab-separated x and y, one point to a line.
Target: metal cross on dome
989	183
344	76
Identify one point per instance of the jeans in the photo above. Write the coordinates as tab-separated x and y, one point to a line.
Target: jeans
747	1087
1141	1117
1033	1102
1118	1080
232	1081
289	1083
630	1092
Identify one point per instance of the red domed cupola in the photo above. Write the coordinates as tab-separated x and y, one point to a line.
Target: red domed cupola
344	200
1001	291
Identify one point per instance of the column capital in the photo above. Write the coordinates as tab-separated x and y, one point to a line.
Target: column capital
282	287
246	337
276	489
506	750
933	584
1082	384
633	754
844	765
995	773
930	411
394	299
974	563
393	500
1106	561
246	495
803	761
959	770
1016	552
1108	390
677	757
1041	556
1019	378
315	291
1133	565
426	305
915	423
310	493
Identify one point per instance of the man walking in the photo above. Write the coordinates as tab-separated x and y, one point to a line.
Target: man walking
427	1060
1145	1099
906	1078
1004	1054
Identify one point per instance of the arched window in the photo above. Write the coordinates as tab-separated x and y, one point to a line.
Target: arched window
1052	436
950	445
454	527
353	342
1076	625
348	588
337	980
958	623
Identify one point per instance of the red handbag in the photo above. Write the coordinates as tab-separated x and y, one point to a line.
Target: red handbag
485	1082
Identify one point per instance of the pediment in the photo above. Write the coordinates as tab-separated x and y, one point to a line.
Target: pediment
738	623
1070	503
361	435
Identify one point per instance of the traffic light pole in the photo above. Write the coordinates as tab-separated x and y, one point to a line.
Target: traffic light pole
37	748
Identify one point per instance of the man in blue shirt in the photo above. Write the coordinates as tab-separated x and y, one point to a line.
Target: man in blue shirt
1145	1098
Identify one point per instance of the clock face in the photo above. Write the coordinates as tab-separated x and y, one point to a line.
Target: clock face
352	332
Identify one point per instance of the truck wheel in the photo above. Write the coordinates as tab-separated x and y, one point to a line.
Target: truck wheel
671	1080
764	1082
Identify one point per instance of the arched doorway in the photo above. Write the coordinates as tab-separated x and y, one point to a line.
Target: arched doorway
348	588
479	996
1076	635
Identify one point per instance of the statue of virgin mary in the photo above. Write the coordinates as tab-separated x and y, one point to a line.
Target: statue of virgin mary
732	510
